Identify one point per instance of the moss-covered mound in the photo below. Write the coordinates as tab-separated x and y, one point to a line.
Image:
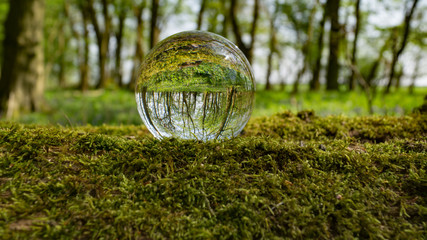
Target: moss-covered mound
288	176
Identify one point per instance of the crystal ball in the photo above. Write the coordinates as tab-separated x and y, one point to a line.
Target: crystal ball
195	85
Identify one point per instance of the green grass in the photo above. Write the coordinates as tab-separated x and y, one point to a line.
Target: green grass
118	107
294	176
74	108
337	103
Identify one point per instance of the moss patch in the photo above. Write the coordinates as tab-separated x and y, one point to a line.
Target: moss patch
288	176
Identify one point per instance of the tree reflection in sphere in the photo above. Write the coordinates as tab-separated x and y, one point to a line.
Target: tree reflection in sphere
195	85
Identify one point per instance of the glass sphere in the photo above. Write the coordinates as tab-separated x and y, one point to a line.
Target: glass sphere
195	85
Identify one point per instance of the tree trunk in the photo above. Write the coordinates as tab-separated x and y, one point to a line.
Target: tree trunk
84	62
22	77
315	83
373	71
269	67
139	47
62	46
305	51
119	36
415	73
295	86
154	28
398	76
226	19
83	49
334	42
396	54
272	46
352	80
247	49
102	38
201	12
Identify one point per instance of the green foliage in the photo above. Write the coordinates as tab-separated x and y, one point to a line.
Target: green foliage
289	176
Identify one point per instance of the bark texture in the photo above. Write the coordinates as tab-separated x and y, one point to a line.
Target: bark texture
154	25
334	42
22	78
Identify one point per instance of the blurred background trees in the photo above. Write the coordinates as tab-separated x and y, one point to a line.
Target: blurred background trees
338	45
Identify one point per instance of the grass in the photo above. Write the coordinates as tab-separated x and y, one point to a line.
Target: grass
118	107
289	175
345	103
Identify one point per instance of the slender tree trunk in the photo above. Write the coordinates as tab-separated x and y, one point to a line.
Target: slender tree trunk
334	42
269	67
247	49
398	76
272	47
22	77
119	36
373	71
201	12
396	54
84	65
315	82
154	28
295	86
305	51
62	43
226	19
139	47
415	73
55	47
235	26
102	38
352	81
84	59
103	54
255	17
83	40
282	83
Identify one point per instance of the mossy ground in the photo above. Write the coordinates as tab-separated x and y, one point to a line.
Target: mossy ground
288	176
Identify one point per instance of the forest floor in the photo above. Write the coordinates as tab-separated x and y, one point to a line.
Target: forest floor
288	175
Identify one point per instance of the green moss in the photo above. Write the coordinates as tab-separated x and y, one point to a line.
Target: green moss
198	77
289	176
